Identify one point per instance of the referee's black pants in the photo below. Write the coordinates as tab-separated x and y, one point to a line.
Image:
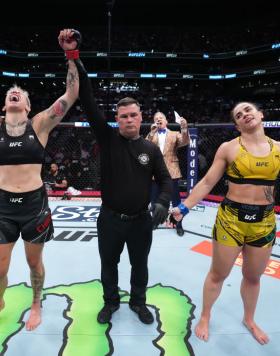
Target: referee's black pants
113	233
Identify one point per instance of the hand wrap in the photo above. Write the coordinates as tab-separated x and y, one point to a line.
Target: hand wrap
183	209
74	54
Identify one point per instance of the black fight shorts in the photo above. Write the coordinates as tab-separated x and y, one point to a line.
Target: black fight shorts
27	214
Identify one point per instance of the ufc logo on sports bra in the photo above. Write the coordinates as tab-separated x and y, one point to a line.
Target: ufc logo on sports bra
250	217
15	144
262	164
16	200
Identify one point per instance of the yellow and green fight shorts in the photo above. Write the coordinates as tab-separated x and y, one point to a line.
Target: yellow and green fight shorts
238	224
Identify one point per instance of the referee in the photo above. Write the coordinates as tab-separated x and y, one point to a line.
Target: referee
128	163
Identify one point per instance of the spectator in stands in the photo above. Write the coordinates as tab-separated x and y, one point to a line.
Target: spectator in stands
23	201
128	163
202	164
169	142
245	220
56	179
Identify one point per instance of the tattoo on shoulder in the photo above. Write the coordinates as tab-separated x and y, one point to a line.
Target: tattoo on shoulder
58	109
269	194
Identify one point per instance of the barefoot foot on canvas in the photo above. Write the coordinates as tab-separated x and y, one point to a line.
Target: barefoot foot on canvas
258	333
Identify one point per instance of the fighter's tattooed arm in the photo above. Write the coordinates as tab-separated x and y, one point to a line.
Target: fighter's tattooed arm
46	120
58	109
268	192
61	106
72	76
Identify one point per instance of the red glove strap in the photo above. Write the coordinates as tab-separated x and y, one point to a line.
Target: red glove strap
72	54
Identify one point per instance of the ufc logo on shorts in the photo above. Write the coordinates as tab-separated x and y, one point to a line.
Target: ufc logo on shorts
16	200
15	144
250	217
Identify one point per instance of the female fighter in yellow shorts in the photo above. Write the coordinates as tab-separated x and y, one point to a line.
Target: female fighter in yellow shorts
245	220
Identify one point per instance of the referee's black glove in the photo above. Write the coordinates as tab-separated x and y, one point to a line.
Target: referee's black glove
160	214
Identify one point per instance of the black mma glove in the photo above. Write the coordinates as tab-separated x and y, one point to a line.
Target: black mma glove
160	214
172	221
78	37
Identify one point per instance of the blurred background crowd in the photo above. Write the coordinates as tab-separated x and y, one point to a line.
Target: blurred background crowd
201	49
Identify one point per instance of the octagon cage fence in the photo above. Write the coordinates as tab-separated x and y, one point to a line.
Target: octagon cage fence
74	148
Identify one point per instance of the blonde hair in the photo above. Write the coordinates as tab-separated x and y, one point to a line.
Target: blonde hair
161	113
24	92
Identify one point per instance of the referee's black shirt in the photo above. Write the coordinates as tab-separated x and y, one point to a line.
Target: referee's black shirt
127	168
127	165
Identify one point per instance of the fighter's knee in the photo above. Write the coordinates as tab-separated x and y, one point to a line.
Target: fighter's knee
217	277
4	266
34	262
251	278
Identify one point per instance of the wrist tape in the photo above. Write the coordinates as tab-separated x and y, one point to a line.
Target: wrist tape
183	209
74	54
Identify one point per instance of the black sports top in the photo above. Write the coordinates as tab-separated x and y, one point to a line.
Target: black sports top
23	149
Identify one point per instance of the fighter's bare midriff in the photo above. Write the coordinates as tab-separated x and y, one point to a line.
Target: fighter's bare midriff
249	193
20	178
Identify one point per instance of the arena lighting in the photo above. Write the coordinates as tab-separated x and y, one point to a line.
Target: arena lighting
187	76
86	124
148	54
119	86
147	75
259	71
216	76
136	54
137	75
241	53
270	124
229	76
9	74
